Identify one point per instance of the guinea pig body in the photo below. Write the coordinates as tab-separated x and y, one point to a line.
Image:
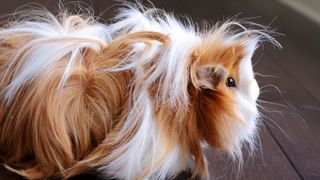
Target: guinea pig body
136	99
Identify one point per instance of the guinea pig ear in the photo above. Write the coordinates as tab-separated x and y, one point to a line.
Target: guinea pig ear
211	76
206	76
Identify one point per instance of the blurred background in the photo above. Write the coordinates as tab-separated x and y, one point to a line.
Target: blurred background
288	146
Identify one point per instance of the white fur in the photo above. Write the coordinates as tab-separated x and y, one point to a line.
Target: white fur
143	148
173	61
53	41
246	96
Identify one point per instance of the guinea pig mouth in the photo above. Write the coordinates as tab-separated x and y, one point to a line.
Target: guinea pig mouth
246	127
249	130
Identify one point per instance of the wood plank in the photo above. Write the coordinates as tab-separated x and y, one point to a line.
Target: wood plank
268	162
300	65
297	133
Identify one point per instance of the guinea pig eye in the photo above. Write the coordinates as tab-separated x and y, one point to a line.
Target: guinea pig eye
231	82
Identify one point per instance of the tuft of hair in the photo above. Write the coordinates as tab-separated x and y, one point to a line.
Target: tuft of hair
58	102
38	31
50	113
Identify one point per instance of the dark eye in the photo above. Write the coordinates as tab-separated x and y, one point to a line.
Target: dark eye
231	82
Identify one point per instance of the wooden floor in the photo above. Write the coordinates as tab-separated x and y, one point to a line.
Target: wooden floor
288	146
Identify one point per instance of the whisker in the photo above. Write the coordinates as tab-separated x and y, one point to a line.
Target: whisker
284	99
270	110
258	60
260	146
272	86
272	103
266	75
294	111
277	126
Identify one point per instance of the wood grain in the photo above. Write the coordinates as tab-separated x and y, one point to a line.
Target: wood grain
268	162
295	121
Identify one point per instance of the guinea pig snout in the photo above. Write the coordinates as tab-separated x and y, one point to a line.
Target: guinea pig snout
254	91
250	90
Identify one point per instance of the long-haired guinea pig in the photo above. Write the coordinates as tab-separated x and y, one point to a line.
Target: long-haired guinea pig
139	98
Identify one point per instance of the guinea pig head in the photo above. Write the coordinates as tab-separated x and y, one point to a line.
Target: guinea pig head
223	93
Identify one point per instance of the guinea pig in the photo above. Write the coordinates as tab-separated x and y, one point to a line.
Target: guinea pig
140	98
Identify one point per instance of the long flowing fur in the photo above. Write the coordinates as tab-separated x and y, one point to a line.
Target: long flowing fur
139	98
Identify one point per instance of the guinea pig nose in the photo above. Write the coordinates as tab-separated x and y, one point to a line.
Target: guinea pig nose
254	90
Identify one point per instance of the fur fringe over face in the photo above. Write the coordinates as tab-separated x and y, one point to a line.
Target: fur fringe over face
140	98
